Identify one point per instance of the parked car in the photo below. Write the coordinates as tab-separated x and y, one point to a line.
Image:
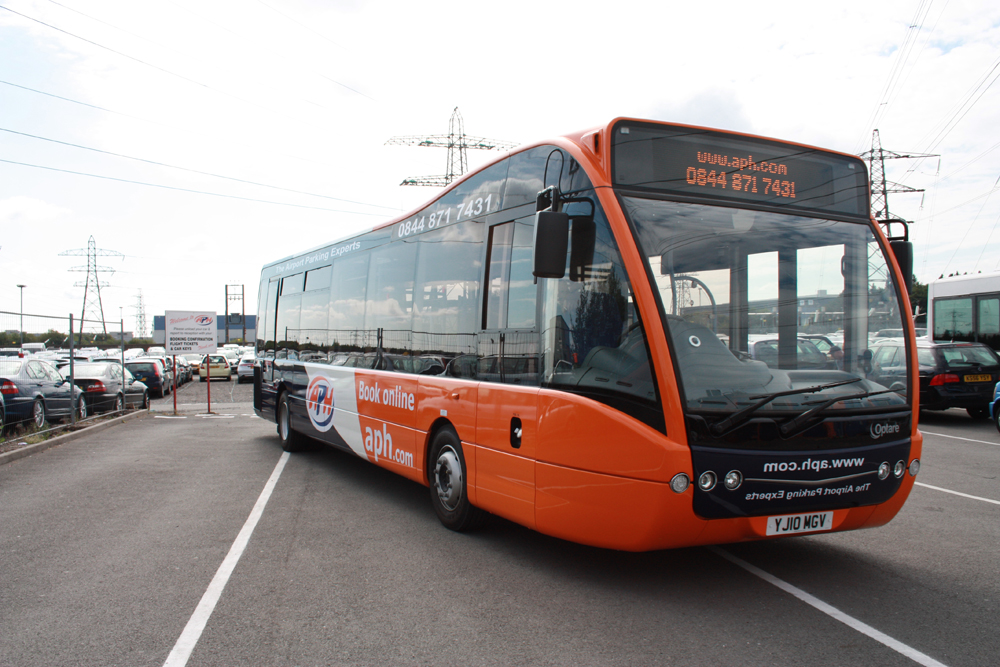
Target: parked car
245	369
215	366
952	375
103	385
183	370
808	355
151	373
168	365
232	356
34	391
136	392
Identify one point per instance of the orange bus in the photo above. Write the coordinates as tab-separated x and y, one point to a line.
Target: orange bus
641	336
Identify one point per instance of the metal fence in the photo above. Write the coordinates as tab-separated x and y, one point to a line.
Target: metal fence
54	330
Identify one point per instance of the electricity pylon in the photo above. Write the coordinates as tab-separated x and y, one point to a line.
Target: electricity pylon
881	188
140	316
92	305
457	143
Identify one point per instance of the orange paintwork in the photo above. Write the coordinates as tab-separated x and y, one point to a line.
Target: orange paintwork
583	472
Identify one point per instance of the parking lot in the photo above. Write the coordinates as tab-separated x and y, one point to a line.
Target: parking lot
111	544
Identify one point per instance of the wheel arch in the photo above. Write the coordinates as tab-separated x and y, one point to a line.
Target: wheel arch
436	427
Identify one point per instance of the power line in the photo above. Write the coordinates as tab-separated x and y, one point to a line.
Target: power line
302	25
902	55
280	55
193	171
155	122
142	62
199	192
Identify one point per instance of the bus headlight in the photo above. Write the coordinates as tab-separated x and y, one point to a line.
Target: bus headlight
707	480
680	483
914	467
883	470
899	469
733	480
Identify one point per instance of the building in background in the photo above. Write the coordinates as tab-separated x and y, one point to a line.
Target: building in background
235	330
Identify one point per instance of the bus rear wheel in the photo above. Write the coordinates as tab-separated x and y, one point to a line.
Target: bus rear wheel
448	484
291	441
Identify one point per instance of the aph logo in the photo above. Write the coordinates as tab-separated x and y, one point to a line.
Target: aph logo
319	403
204	320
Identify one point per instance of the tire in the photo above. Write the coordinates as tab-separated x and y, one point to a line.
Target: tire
81	409
996	415
202	379
145	401
979	413
448	484
38	413
119	403
291	440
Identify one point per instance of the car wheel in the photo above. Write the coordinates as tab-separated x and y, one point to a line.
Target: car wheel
979	413
145	401
38	413
996	414
202	378
81	409
119	403
449	485
291	441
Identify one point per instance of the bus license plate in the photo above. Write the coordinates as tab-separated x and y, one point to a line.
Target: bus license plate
790	524
978	378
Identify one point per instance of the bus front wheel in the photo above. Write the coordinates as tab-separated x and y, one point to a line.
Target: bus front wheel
448	483
291	441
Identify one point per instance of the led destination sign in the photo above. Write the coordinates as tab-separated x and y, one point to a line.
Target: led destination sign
715	165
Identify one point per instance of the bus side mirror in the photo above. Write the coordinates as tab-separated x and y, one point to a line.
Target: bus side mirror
903	251
549	246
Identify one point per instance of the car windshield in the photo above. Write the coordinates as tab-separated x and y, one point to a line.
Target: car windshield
739	288
141	368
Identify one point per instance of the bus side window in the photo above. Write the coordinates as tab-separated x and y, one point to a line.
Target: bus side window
446	299
389	298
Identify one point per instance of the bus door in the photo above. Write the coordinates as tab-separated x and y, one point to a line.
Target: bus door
509	372
266	343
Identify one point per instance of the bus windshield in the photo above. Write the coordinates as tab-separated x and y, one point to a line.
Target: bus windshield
770	309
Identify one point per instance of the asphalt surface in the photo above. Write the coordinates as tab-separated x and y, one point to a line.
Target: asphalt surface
108	543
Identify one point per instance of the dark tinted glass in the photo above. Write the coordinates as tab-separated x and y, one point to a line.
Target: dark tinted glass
953	319
446	296
702	163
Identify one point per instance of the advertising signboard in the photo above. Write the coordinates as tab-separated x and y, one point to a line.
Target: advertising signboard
190	331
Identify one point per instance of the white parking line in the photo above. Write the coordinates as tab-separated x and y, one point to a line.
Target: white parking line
957	493
955	437
850	621
196	625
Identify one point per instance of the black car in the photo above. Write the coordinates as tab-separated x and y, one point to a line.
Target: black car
151	373
952	375
107	386
34	391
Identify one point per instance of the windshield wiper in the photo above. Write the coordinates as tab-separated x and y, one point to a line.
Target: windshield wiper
793	425
737	419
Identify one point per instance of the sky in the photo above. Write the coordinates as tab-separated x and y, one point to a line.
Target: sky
204	139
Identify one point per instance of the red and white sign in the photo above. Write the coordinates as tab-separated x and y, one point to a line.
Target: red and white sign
190	331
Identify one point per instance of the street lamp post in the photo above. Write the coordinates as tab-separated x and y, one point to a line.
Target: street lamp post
21	287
